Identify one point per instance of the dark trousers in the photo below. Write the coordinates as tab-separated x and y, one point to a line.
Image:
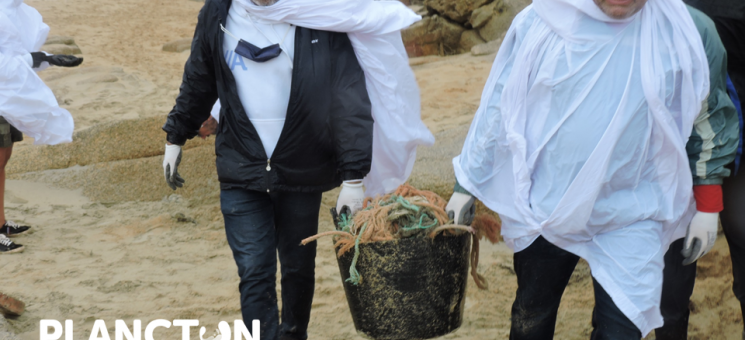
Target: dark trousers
678	280
543	271
258	226
677	287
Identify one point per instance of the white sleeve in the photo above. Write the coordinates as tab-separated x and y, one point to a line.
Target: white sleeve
29	105
29	60
215	113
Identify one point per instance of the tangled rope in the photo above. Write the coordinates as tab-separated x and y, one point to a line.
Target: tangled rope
407	212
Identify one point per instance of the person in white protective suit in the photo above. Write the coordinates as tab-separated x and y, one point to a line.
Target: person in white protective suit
580	145
313	94
27	105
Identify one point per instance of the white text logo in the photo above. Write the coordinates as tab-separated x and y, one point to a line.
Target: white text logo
54	330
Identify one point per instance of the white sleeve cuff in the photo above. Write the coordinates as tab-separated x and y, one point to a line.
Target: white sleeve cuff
29	59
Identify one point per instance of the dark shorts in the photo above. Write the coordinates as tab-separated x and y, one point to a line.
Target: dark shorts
8	134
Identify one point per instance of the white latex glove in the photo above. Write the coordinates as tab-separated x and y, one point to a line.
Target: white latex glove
461	208
700	237
171	160
352	195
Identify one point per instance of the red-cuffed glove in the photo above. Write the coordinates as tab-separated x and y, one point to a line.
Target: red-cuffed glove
702	232
708	198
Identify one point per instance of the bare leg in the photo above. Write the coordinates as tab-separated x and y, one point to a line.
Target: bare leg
4	157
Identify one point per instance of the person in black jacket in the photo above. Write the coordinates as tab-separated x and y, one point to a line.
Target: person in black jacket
295	122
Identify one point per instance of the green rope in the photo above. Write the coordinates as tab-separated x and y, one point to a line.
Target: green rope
420	225
345	222
354	275
410	217
406	204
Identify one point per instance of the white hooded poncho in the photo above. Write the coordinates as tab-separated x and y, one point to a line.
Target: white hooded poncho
580	138
374	29
25	101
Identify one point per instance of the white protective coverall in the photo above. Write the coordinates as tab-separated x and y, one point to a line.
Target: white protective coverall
580	138
25	101
374	29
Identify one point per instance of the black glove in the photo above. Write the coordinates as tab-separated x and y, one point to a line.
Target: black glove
55	59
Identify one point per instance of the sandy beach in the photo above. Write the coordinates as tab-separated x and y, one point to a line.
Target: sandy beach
111	241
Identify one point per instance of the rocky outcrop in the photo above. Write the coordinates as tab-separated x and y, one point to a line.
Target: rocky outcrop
177	45
486	48
456	26
469	39
57	44
433	35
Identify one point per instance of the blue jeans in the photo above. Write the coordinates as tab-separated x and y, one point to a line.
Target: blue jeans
258	226
543	271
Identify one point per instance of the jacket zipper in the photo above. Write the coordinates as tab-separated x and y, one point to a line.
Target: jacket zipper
266	177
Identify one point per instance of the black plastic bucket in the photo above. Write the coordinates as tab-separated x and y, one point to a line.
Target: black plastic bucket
413	288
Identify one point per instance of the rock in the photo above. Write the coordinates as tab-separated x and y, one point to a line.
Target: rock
419	41
486	48
10	306
482	15
98	79
455	10
61	49
431	36
177	45
59	39
498	23
449	34
469	39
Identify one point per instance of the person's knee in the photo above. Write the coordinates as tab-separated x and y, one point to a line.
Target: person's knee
299	266
257	278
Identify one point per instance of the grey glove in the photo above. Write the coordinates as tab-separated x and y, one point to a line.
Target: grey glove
171	161
461	209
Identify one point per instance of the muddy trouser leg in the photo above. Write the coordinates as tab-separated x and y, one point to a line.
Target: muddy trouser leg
297	218
543	271
733	223
677	286
249	227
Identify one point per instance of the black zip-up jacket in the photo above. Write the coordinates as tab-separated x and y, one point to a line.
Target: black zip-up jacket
734	9
327	136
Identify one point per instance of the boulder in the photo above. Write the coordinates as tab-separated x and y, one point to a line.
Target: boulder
10	306
498	23
455	10
469	39
59	39
486	48
482	15
178	45
61	49
419	41
431	36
